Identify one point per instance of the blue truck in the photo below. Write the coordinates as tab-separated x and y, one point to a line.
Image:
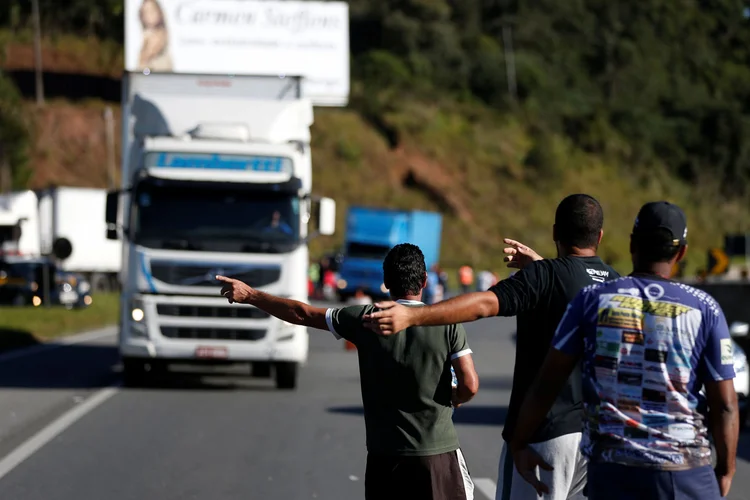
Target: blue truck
371	233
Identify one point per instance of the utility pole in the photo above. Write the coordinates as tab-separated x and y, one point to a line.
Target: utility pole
510	61
38	53
109	131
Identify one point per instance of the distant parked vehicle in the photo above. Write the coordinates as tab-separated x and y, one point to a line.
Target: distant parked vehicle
22	282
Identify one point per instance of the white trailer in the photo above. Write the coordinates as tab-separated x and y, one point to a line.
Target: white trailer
71	223
19	224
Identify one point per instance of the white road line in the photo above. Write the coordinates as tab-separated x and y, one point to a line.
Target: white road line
62	342
484	484
54	429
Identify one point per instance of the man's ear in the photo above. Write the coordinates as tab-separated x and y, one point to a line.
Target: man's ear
554	232
681	253
601	235
424	281
632	245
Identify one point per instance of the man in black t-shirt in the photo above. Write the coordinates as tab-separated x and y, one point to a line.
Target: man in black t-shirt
538	295
413	449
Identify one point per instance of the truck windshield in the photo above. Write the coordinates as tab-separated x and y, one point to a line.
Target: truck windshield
366	251
215	219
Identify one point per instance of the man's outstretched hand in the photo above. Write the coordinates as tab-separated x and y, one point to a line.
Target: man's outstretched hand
391	318
518	255
235	290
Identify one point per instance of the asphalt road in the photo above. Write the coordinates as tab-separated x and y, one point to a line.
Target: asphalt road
68	432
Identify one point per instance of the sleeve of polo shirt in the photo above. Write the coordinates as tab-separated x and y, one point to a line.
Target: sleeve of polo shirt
718	355
458	342
522	291
569	335
345	322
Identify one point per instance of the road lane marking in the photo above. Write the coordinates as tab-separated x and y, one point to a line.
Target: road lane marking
484	484
62	342
54	429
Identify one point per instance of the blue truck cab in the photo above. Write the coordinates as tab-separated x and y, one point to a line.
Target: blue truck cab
371	233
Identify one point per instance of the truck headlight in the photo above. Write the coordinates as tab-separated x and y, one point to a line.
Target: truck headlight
136	310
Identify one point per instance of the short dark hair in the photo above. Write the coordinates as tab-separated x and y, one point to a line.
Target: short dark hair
404	270
578	220
655	245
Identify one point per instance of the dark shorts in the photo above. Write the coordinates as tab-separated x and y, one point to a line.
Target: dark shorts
618	482
436	477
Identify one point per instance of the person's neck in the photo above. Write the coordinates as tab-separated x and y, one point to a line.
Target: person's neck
576	252
661	269
413	298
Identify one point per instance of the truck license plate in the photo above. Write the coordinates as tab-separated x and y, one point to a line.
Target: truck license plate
211	352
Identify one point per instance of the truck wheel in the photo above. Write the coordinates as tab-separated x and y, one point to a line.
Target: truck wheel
286	375
261	370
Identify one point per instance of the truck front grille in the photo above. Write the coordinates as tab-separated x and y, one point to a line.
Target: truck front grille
211	312
203	275
182	332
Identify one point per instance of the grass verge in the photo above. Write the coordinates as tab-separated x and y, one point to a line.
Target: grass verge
26	326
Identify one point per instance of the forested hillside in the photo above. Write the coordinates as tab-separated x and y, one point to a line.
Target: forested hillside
626	100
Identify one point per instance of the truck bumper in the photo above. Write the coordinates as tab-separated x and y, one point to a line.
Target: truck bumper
179	338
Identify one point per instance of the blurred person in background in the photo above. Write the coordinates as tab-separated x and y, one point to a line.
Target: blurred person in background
434	290
485	280
314	275
413	448
465	278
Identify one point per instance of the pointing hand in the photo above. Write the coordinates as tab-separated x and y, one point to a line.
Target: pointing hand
518	255
235	290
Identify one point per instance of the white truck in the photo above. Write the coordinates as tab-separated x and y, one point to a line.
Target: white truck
19	224
65	223
217	179
72	229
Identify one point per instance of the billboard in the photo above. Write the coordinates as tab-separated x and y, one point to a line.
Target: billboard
243	37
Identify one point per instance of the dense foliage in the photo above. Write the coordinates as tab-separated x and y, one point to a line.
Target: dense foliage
645	81
14	138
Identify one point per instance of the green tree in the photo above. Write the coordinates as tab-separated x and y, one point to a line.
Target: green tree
14	138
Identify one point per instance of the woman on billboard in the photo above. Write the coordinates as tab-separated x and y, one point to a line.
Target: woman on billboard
155	49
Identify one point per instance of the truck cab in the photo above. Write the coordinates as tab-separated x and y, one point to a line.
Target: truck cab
371	233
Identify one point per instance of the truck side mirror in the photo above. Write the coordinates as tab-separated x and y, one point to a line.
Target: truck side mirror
327	217
113	205
113	202
739	329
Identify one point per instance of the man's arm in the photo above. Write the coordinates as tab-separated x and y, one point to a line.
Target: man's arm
717	370
725	425
394	317
567	346
468	380
509	297
291	311
463	364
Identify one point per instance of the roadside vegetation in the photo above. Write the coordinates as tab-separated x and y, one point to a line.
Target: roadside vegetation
626	101
26	326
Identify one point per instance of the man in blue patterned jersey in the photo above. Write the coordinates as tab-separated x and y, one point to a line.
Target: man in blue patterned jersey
648	345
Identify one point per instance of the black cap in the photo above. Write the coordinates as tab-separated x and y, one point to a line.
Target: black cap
662	215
